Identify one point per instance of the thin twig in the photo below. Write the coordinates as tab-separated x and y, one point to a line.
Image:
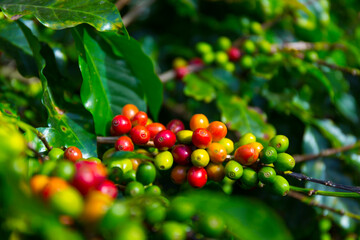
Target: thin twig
311	191
305	46
170	74
136	11
37	154
302	177
326	152
120	4
314	203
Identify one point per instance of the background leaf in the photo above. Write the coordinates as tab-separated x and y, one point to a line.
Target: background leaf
58	14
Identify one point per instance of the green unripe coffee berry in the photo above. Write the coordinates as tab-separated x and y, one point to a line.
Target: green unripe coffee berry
124	164
264	47
284	162
173	231
203	48
181	209
117	213
153	190
146	173
134	189
229	66
249	178
154	212
325	225
249	47
131	230
208	58
179	62
68	202
223	43
256	28
65	170
184	136
200	158
211	225
311	56
93	159
233	170
267	175
164	160
327	236
268	155
221	58
228	144
56	154
48	167
246	62
245	139
116	175
129	176
280	143
280	186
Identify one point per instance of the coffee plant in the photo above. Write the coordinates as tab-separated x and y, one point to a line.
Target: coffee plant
179	120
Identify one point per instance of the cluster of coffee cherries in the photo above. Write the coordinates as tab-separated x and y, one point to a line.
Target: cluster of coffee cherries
200	154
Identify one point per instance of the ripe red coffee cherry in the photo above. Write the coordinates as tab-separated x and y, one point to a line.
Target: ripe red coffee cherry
140	118
178	174
139	135
201	138
198	121
124	143
181	72
175	126
129	111
164	140
109	188
234	54
155	128
72	154
246	155
196	61
88	176
218	130
197	177
182	154
120	125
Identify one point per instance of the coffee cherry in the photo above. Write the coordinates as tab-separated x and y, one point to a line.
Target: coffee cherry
182	154
178	174
184	136
246	139
208	58
154	128
164	160
246	62
196	62
228	144
146	173
173	231
56	154
120	125
129	111
95	207
258	146
201	138
218	130
249	179
140	118
130	230
139	135
175	126
246	155
134	189
249	47
280	186
221	58
48	167
284	162
280	143
67	202
268	155
155	212
91	159
198	121
233	170
229	66
256	28
65	170
264	47
234	54
203	47
88	176
181	72
179	62
129	176
200	158
267	175
37	183
217	152
72	154
153	190
211	225
197	177
223	43
124	164
164	140
215	172
181	209
325	225
118	212
109	188
124	143
54	185
311	56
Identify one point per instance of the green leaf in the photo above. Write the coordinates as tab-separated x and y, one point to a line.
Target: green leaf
346	105
13	42
240	117
58	14
74	134
246	218
321	77
52	136
198	89
329	169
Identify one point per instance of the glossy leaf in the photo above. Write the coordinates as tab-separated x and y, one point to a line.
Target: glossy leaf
74	134
246	218
327	169
58	14
128	155
198	89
